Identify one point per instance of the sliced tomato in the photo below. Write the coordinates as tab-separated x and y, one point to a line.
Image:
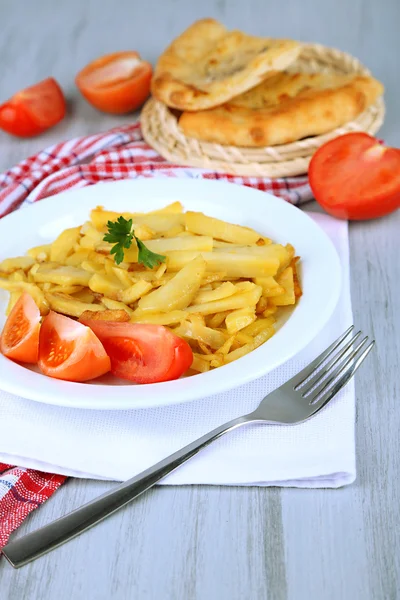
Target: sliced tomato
355	177
20	337
143	353
34	109
116	83
69	350
183	359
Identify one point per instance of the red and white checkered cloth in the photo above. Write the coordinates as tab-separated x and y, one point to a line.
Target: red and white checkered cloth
116	154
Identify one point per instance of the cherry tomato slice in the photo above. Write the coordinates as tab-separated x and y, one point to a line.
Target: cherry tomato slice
143	353
20	337
34	109
117	83
69	350
355	177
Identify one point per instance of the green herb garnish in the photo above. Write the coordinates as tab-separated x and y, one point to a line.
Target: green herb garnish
121	234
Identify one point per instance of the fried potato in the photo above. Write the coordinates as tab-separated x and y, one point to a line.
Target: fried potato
255	328
61	275
67	305
270	310
239	300
262	305
213	278
14	297
199	364
216	320
238	319
233	265
40	253
179	292
156	221
195	331
176	230
118	316
224	290
116	305
259	339
91	242
9	265
122	275
134	292
200	224
283	253
161	270
174	207
286	280
64	289
296	281
192	242
225	348
64	244
170	318
270	287
77	258
238	353
85	295
31	288
92	266
107	285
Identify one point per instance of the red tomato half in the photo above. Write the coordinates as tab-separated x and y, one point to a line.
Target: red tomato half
20	337
143	353
354	177
34	109
116	83
69	350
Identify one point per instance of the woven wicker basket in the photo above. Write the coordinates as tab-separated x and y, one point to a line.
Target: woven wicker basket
161	130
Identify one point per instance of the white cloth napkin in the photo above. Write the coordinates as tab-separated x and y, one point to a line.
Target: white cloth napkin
116	445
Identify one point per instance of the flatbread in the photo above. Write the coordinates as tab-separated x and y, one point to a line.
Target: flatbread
207	65
284	108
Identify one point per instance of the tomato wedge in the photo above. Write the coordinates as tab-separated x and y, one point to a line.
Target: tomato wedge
116	83
143	353
34	109
355	177
20	337
69	350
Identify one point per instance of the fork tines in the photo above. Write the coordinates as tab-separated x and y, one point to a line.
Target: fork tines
323	378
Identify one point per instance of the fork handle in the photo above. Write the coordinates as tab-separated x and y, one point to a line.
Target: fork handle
37	543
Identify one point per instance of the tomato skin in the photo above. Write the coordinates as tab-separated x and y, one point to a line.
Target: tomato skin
20	336
33	110
15	120
68	350
183	359
355	177
143	353
121	94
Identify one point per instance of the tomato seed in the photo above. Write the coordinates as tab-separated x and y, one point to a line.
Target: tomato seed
18	330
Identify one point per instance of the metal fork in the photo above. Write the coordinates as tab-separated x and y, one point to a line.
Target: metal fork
295	401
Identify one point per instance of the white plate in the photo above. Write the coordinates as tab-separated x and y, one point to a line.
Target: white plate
320	276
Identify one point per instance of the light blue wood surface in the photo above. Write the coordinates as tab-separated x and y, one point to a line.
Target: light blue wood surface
206	543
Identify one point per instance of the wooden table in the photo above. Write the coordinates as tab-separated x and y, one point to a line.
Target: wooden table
189	543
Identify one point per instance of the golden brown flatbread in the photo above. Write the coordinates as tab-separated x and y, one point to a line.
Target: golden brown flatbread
284	108
207	65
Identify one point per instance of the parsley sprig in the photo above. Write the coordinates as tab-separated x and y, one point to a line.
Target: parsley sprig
121	234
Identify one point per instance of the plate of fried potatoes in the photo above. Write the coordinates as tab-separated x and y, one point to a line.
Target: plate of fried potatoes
247	279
